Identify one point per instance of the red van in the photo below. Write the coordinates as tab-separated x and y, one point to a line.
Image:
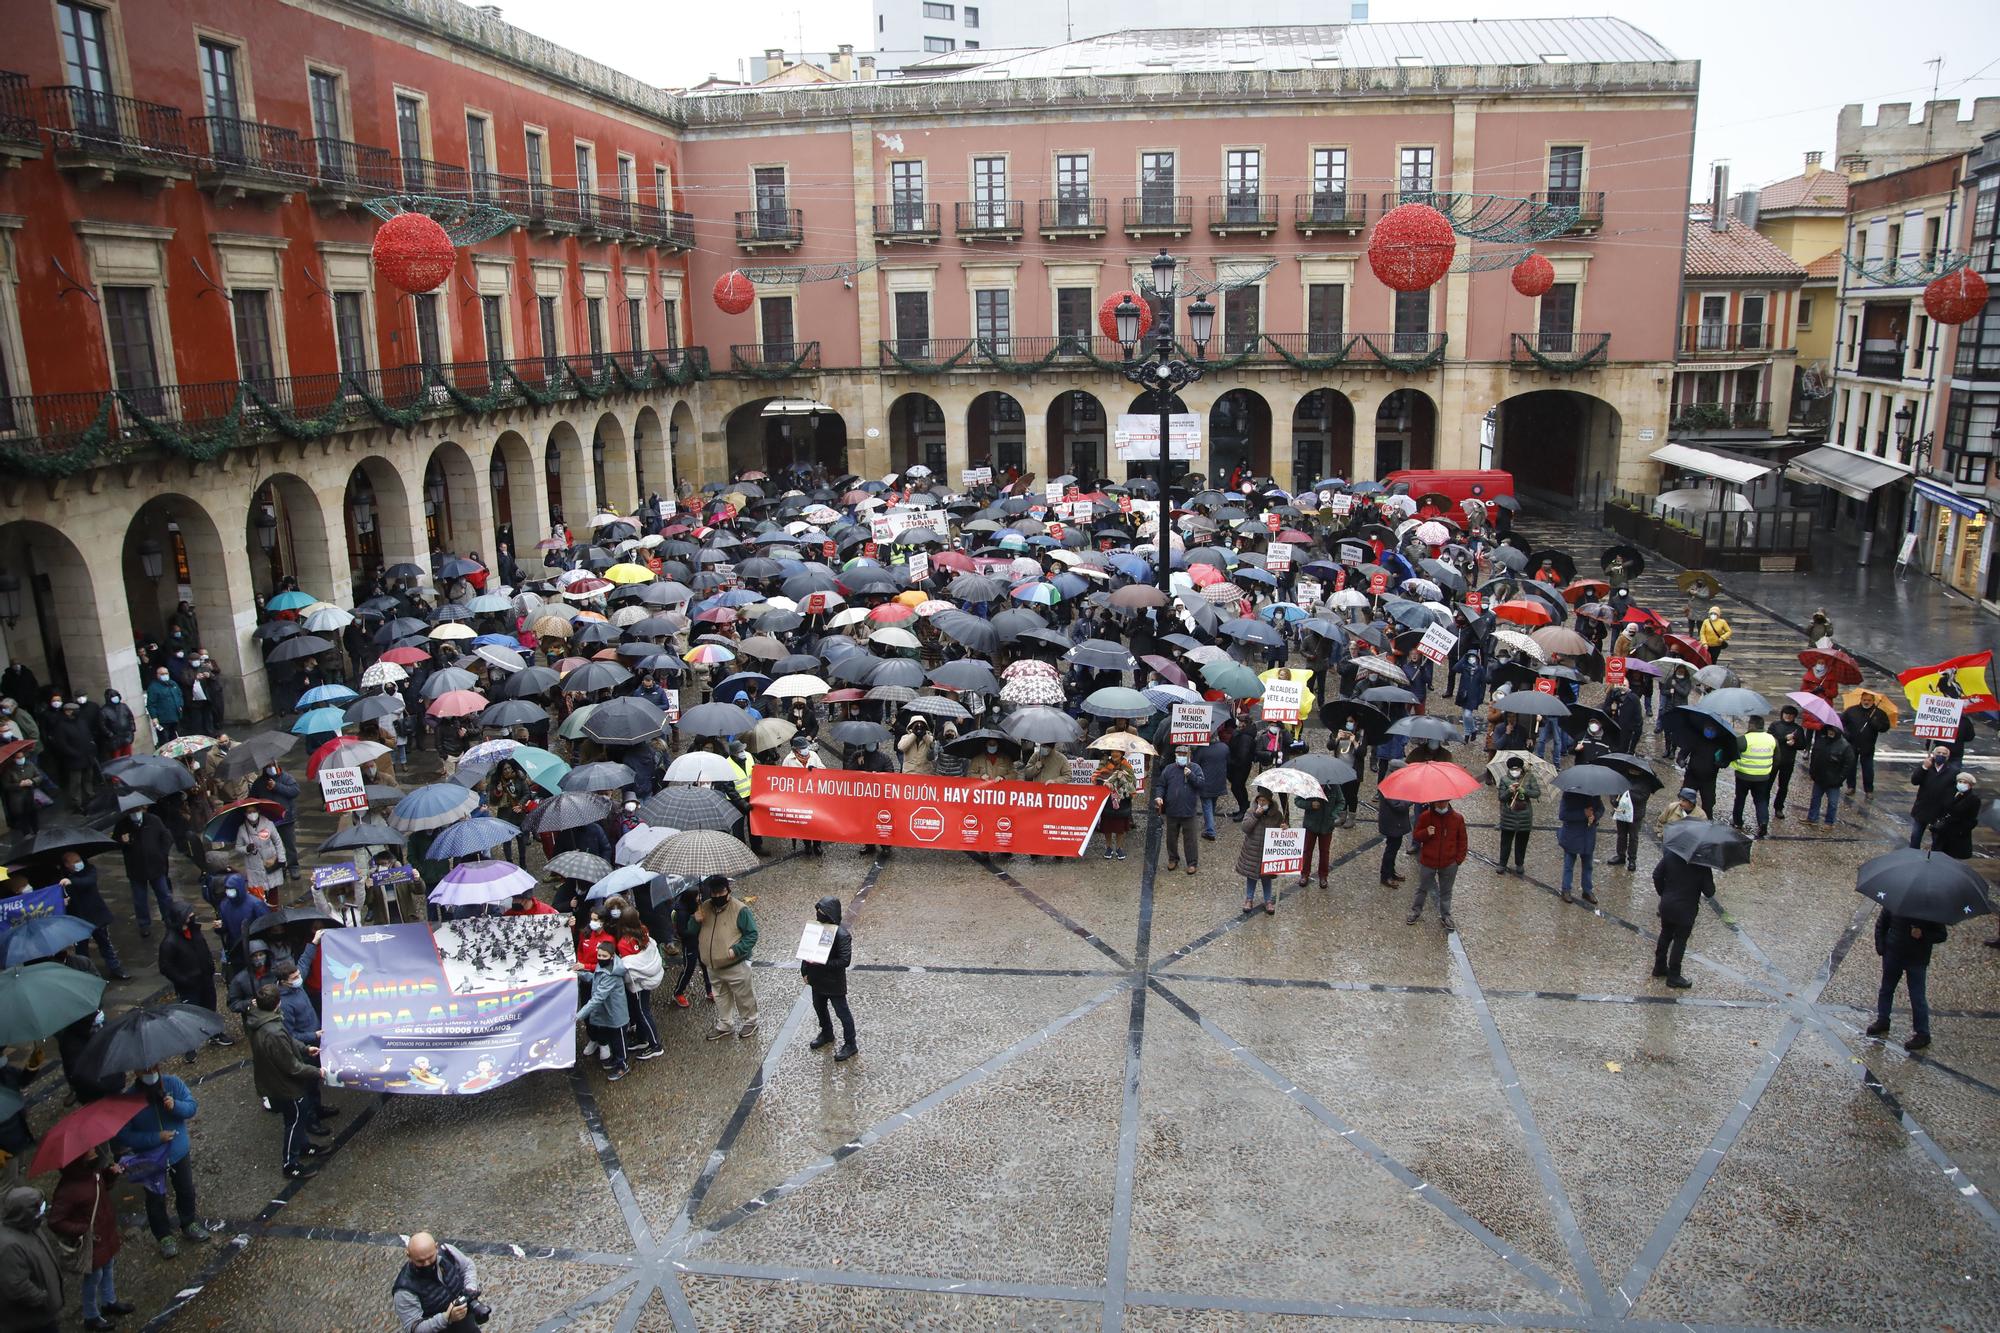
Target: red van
1458	483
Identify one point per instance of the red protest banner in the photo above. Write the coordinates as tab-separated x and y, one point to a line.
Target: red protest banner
1272	522
828	550
1474	601
1055	530
1614	671
1339	580
908	810
1124	504
1378	583
1545	684
869	550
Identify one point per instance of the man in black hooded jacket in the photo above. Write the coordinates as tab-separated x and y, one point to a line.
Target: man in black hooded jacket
828	981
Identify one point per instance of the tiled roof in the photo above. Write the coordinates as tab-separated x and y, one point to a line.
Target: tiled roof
1818	188
1738	252
1826	268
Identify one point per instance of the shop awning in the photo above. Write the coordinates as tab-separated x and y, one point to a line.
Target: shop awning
1737	471
1963	505
1853	475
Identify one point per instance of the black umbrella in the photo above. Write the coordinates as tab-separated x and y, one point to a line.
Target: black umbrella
1387	694
1637	771
1560	561
365	836
966	673
247	756
303	645
569	810
53	838
1373	723
313	913
710	719
1634	558
368	708
1101	655
626	721
1685	724
1924	886
975	742
598	777
1326	769
1422	728
1701	842
1591	780
151	774
1532	703
143	1038
857	733
512	713
1582	715
525	683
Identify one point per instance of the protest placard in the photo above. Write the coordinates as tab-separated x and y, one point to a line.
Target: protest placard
1938	717
1437	644
343	790
1278	557
1284	851
1284	700
1188	724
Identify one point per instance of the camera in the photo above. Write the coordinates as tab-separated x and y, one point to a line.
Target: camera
479	1311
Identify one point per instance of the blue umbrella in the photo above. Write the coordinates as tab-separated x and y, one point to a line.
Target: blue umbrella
1256	575
1287	610
433	806
503	640
325	694
320	721
289	601
41	936
472	837
1132	567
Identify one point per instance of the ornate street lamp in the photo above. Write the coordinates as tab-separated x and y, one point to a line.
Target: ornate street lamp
151	561
10	599
1161	373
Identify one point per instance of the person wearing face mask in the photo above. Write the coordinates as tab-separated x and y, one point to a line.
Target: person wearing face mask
31	1278
990	764
19	720
726	936
188	964
1793	740
1936	783
164	706
148	847
286	1074
1518	791
24	790
301	1020
1951	832
1439	834
828	983
1178	799
1263	815
162	1124
237	911
1818	680
276	785
83	900
645	970
114	727
1756	769
1576	834
262	851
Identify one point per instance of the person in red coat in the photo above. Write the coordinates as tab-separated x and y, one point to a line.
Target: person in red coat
82	1203
1439	832
1818	680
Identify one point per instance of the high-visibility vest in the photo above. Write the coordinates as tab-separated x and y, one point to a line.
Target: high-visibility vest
742	779
1760	755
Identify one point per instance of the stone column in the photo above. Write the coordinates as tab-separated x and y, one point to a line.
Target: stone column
1365	405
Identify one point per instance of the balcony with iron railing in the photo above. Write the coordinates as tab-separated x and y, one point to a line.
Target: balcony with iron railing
1714	418
20	129
342	172
774	359
45	433
1329	211
1011	355
1882	363
1318	350
1397	198
1159	214
1558	349
1587	204
921	223
442	180
1074	215
654	225
1718	339
246	157
1243	213
770	228
989	219
112	135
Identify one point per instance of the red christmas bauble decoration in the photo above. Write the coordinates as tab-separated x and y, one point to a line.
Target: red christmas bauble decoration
1955	297
1534	275
413	253
1411	247
1107	313
734	293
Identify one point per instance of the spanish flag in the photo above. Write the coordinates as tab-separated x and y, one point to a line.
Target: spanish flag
1968	678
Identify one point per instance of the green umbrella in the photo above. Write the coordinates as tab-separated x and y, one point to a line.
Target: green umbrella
1233	679
38	1000
572	726
545	770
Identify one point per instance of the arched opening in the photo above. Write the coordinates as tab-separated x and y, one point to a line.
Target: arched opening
50	621
1322	438
451	502
1148	468
285	533
781	442
1405	432
916	433
649	456
173	554
1557	442
376	510
518	516
1239	431
1077	436
996	435
611	465
683	449
569	479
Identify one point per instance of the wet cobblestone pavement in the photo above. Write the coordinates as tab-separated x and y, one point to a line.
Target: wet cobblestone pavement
1093	1095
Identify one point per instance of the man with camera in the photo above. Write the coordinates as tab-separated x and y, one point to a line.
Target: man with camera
438	1288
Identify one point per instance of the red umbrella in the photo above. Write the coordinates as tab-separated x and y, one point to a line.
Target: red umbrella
1691	649
1639	615
12	748
1293	536
890	613
83	1129
1426	782
957	560
847	696
406	656
1523	612
1842	668
1586	590
1168	671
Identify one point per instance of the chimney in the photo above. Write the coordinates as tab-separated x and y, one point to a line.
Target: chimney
1812	161
867	68
1718	197
842	64
490	11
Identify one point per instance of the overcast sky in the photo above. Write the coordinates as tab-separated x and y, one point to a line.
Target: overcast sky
1774	72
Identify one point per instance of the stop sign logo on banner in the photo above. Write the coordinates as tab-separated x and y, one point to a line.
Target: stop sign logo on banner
1284	851
343	789
1278	557
869	550
1545	684
827	549
1340	580
1614	671
1437	644
1938	717
1284	700
1473	602
1378	583
920	567
1056	531
1188	725
814	603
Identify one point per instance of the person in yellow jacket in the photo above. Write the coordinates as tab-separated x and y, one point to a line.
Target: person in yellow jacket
1715	634
1306	696
1756	768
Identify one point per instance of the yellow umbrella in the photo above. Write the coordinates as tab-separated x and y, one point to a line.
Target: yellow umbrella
1881	701
551	627
913	597
629	573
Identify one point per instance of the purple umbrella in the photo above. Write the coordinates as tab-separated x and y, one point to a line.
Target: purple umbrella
1640	665
477	883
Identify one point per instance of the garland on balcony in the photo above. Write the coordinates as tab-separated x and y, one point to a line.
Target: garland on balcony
780	371
199	445
1408	365
87	449
1312	363
1060	351
1569	363
293	427
927	366
398	418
